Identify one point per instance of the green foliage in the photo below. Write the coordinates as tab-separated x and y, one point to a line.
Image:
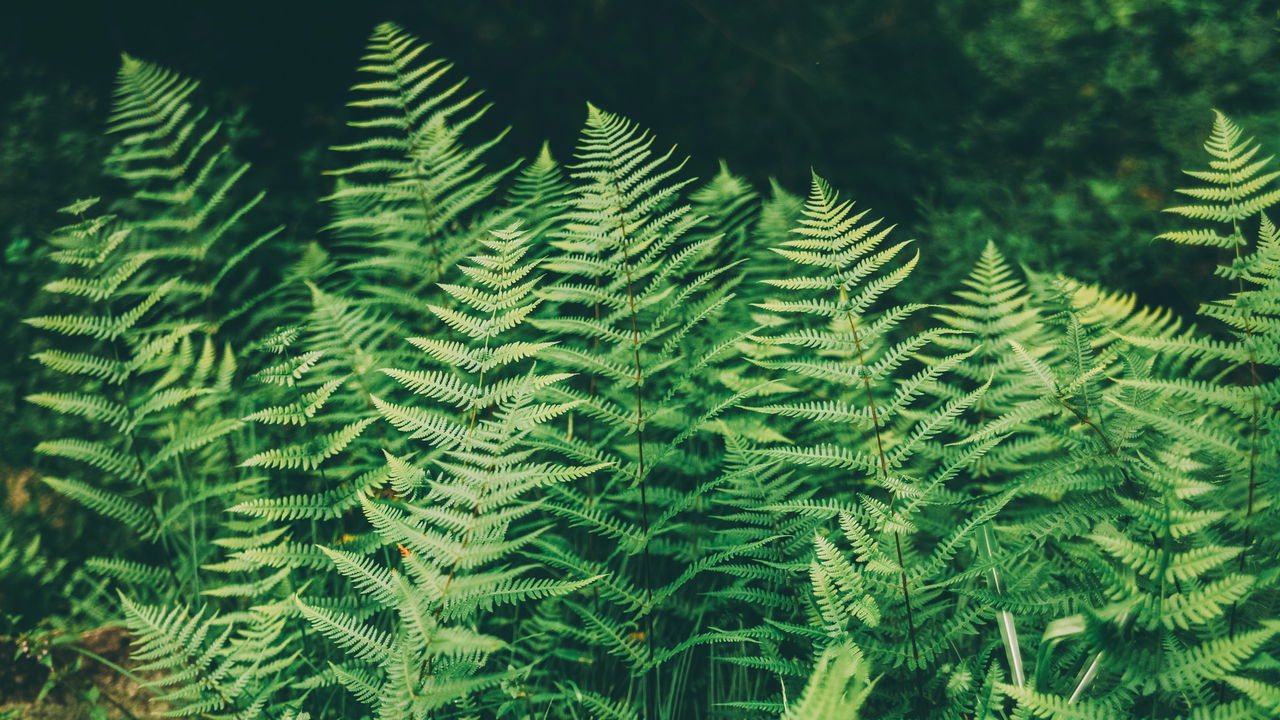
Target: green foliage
153	291
1093	107
596	442
836	689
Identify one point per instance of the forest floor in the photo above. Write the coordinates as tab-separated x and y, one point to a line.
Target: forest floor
86	688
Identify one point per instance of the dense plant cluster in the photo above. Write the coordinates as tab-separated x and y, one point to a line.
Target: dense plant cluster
593	441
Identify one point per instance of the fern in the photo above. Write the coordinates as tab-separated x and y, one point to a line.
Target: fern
147	340
206	666
601	441
402	205
868	432
839	685
454	526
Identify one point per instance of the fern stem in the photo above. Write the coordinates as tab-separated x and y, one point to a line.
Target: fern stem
884	473
1254	421
1087	422
126	391
475	507
641	469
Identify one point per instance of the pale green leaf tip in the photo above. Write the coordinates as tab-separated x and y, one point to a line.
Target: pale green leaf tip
129	63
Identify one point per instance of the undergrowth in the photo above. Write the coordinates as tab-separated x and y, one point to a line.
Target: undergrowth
584	438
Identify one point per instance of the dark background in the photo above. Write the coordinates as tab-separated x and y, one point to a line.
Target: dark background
1055	127
773	87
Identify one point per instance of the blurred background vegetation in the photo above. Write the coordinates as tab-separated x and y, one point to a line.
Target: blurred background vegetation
1056	127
